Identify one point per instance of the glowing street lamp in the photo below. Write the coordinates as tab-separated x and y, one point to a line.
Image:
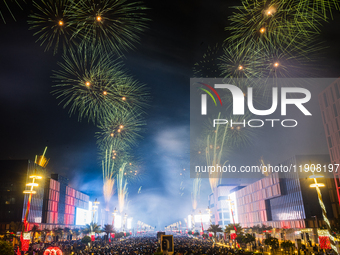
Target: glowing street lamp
94	207
317	186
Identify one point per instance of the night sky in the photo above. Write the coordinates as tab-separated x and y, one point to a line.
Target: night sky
178	36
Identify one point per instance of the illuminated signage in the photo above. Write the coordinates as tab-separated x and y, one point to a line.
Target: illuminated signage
83	217
118	222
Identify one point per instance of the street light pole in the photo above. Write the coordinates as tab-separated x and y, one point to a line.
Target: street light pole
30	192
317	186
95	206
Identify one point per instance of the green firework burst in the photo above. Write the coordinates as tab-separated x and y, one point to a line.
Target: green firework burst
262	23
95	85
51	21
207	67
122	125
6	4
115	25
238	63
318	9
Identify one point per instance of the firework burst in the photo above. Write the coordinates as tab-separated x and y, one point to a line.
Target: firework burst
207	67
95	85
115	25
236	63
281	63
262	23
5	4
123	125
133	170
52	24
318	9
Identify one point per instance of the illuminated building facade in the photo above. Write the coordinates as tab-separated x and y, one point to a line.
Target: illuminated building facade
284	199
329	101
219	205
61	201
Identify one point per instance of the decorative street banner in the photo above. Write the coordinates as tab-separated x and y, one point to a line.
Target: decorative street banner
26	237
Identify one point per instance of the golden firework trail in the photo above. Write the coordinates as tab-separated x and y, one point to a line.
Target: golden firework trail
108	176
196	192
121	188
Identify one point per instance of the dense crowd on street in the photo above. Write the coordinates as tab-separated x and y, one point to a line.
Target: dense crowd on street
141	246
135	245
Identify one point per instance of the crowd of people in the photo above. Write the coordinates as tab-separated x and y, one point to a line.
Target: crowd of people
136	245
183	245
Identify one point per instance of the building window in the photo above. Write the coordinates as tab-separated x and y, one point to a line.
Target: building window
325	99
222	198
335	111
336	90
332	94
327	129
220	223
329	142
226	215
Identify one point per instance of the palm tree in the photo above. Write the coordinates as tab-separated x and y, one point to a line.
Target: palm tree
58	232
76	232
44	233
232	227
108	229
34	230
67	231
92	227
215	229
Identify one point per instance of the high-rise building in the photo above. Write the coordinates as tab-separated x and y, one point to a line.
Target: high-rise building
329	101
219	205
285	198
55	203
